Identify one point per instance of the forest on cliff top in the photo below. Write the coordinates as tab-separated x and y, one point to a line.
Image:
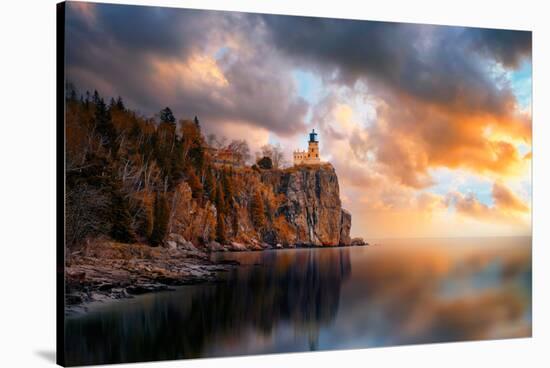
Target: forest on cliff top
136	179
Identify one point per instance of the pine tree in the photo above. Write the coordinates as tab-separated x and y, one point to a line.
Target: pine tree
166	116
220	229
195	185
257	211
209	185
265	163
95	97
227	184
235	221
176	163
196	154
121	219
103	123
219	201
120	104
160	219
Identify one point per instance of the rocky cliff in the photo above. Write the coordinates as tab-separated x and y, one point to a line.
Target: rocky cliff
297	206
311	204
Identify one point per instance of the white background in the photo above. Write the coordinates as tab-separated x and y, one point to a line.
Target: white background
27	182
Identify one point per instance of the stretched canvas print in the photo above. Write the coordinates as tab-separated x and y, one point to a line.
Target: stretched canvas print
236	183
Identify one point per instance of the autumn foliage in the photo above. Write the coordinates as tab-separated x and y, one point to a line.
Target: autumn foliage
137	179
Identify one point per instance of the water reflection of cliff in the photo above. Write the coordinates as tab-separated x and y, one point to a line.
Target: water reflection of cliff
299	288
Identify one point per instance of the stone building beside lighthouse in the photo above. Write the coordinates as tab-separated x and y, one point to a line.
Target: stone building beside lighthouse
311	156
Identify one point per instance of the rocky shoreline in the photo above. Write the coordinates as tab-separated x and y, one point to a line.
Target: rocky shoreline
107	270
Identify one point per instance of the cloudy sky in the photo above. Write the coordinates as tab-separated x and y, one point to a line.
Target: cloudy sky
428	127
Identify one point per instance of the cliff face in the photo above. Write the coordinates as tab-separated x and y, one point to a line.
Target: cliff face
298	206
311	204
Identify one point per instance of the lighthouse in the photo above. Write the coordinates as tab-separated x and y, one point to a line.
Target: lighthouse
311	156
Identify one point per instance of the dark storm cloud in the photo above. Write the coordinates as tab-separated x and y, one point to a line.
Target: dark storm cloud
436	63
158	30
119	50
508	47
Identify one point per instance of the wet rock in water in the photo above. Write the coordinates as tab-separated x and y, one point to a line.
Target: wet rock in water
188	246
176	241
278	246
358	241
238	246
214	246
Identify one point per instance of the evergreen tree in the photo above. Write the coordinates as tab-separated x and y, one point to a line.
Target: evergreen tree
227	184
219	201
209	185
95	97
176	163
195	185
161	215
196	154
196	121
121	219
166	116
257	210
70	92
235	221
120	104
103	123
265	163
220	229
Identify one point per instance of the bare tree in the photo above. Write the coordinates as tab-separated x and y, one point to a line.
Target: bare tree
241	149
216	142
85	213
275	153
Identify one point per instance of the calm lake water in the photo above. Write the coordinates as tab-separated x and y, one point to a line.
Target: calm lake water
393	293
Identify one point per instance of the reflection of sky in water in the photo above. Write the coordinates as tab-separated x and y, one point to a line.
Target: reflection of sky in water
315	299
456	285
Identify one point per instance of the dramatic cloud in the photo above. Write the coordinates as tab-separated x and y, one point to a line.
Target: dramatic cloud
505	46
199	63
440	97
506	199
393	102
507	206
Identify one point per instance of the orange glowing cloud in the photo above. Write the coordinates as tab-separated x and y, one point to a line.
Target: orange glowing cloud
417	136
505	199
507	207
197	72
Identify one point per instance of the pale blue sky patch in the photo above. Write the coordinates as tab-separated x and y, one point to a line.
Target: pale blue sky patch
521	81
523	149
221	52
309	86
448	181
